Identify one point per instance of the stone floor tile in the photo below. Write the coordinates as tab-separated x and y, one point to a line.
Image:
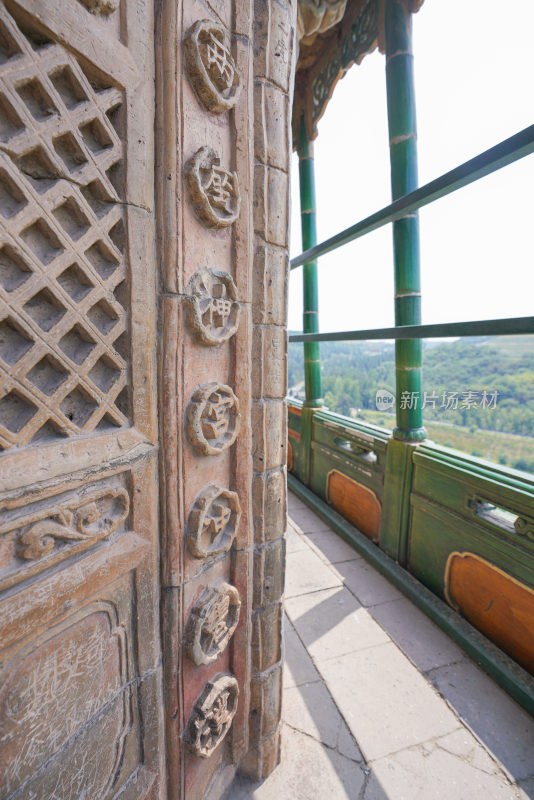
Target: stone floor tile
308	771
526	791
387	703
332	623
505	728
431	773
305	572
332	548
298	666
368	585
464	745
307	521
346	744
294	541
311	710
422	641
294	502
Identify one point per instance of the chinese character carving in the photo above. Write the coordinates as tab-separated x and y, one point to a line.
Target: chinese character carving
213	418
212	622
213	522
212	715
210	66
212	308
214	190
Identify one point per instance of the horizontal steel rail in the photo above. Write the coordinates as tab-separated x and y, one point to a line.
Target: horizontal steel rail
484	327
502	154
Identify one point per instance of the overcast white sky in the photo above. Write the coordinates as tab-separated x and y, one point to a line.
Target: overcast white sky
473	72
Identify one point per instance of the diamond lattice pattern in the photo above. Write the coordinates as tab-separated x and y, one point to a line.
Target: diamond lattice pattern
63	327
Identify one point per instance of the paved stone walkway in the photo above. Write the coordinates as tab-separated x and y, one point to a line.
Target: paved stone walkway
379	704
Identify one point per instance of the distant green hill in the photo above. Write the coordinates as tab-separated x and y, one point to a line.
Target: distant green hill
500	367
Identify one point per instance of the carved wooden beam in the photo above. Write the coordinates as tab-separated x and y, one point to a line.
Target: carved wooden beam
333	35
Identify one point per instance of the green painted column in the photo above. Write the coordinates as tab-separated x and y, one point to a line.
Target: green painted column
403	158
310	289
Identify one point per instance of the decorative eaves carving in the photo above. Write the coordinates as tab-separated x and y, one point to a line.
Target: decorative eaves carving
317	16
103	7
326	55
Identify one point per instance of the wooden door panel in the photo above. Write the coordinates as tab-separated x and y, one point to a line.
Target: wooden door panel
80	683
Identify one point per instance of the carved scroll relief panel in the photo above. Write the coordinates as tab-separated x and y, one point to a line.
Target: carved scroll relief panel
36	535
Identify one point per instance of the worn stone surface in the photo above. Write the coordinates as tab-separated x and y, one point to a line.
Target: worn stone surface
311	710
298	666
266	637
332	623
505	727
331	548
415	742
366	583
269	573
307	771
422	641
307	572
379	685
432	772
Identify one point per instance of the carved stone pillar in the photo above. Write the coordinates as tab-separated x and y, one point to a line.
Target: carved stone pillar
224	77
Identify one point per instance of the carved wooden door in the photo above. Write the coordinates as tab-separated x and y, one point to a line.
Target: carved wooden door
80	703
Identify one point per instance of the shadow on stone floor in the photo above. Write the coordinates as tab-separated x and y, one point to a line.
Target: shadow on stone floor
362	661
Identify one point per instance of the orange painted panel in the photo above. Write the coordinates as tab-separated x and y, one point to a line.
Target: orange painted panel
358	504
289	456
498	605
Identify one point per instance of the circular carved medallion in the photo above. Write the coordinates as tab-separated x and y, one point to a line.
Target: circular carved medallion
210	66
213	522
214	190
212	715
212	622
213	418
212	308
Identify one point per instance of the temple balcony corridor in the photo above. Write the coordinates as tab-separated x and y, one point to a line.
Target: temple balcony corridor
378	702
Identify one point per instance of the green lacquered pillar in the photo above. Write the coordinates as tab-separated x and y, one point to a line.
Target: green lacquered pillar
403	158
310	289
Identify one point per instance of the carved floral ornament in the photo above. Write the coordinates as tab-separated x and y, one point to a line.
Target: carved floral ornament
213	418
212	622
214	190
213	521
211	306
92	518
212	715
210	66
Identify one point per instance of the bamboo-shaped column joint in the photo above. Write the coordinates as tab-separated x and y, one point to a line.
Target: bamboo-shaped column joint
310	289
403	159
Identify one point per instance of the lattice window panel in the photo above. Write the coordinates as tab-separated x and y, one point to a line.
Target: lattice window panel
63	273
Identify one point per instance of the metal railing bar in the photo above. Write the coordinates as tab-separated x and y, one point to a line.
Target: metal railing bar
485	327
502	154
